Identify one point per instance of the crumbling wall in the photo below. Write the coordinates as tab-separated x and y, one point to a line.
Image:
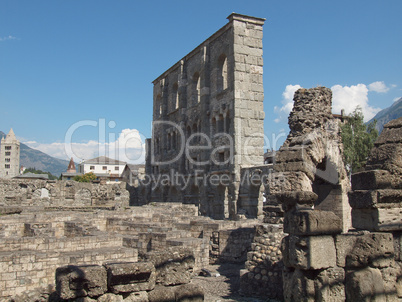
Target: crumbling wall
364	264
35	242
28	193
309	170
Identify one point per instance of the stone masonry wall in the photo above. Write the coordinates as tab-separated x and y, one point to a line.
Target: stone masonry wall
32	193
321	263
263	273
35	242
212	97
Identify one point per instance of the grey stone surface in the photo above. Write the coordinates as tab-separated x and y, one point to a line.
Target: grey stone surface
312	158
368	199
290	199
370	180
26	193
128	277
312	222
173	266
330	285
216	90
370	249
298	286
379	219
309	252
397	245
162	294
81	281
365	285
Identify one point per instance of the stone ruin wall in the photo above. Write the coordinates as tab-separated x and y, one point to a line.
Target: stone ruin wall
323	253
50	193
35	243
332	246
309	258
216	90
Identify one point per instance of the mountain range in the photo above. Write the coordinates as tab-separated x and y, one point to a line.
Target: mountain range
387	114
32	158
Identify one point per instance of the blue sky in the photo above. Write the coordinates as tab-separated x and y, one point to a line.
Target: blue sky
66	64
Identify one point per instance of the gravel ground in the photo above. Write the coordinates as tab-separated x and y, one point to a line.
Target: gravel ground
225	286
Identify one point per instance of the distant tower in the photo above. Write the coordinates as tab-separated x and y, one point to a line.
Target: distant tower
10	156
71	166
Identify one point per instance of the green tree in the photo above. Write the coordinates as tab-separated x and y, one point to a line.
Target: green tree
358	139
87	177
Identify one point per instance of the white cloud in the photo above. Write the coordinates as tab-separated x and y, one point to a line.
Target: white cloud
349	97
378	86
343	97
7	38
287	102
129	146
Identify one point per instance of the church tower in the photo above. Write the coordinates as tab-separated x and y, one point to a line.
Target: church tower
71	167
9	156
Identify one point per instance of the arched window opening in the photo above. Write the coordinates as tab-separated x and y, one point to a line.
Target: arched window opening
196	88
222	73
175	96
158	105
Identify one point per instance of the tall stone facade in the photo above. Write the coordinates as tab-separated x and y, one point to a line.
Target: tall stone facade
9	156
208	120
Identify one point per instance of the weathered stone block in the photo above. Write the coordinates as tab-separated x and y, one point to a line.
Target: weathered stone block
189	293
398	284
374	249
389	277
173	267
371	180
397	245
330	285
298	286
130	276
295	167
288	181
366	199
80	281
365	285
290	199
312	222
309	252
162	294
380	219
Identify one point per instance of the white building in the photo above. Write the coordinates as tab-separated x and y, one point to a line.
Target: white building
103	166
10	156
